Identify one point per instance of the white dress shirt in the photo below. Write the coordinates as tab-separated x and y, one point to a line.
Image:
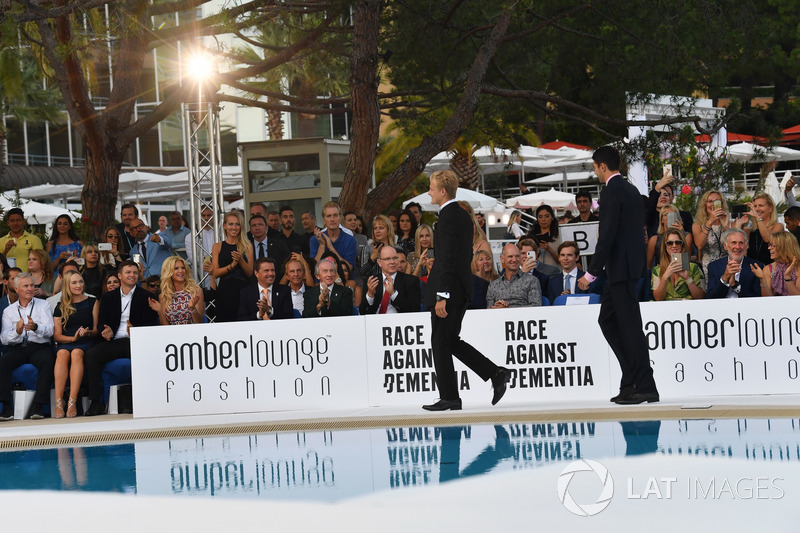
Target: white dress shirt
39	311
390	309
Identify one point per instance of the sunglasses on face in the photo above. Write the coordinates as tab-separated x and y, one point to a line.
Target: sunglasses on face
674	243
153	284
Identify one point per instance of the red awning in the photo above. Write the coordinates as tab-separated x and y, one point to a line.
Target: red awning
732	138
555	145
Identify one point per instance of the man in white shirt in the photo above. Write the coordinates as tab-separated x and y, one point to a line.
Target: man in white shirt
265	300
296	275
119	310
394	292
26	332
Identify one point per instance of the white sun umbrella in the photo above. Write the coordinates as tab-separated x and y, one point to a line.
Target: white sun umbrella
50	191
558	178
773	188
476	200
747	152
553	198
132	182
37	213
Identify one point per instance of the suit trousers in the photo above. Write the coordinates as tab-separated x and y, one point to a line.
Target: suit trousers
620	320
97	356
446	343
39	355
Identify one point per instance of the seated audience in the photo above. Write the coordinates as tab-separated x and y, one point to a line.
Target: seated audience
731	276
110	282
75	331
63	269
479	241
780	278
26	333
114	256
669	280
41	272
382	235
120	310
583	200
92	271
348	281
566	281
151	248
179	299
792	219
710	222
662	195
265	299
760	223
513	288
483	273
407	225
655	241
392	291
296	281
423	241
546	235
328	298
531	265
333	240
10	293
63	242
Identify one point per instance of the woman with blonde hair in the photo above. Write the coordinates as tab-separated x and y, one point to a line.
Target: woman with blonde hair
232	263
764	223
91	270
180	300
382	235
479	241
710	222
654	243
423	241
669	280
780	278
483	272
75	328
513	224
41	271
114	256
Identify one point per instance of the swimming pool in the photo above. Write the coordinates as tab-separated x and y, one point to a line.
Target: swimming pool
334	465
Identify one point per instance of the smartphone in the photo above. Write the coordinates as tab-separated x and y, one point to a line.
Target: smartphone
717	205
739	209
683	258
137	258
667	169
80	261
531	254
104	247
672	218
429	253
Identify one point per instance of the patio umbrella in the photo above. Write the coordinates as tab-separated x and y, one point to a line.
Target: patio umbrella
747	152
553	198
475	199
558	178
49	191
37	213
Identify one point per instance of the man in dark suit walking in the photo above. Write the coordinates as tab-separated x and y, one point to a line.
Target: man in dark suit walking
119	310
393	292
621	251
265	300
448	294
328	298
732	276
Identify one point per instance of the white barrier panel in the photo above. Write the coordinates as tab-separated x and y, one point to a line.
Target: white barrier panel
551	359
248	366
702	348
724	347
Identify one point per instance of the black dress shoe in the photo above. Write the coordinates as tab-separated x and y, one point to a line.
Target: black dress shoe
444	405
624	392
499	381
37	412
639	397
7	413
96	408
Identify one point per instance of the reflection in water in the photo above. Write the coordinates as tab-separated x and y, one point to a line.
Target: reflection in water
335	465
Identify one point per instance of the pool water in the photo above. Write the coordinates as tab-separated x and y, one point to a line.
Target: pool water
330	466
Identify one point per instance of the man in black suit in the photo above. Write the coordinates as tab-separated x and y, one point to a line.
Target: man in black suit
394	292
621	251
119	310
732	276
265	300
568	258
448	294
328	298
267	245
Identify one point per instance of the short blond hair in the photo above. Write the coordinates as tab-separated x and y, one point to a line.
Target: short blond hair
447	180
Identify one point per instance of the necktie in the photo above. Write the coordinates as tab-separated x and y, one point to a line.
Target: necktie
142	248
567	283
261	251
384	303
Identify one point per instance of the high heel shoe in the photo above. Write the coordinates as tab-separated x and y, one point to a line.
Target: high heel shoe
72	408
59	408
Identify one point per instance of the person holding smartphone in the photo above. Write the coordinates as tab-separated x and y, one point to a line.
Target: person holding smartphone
675	278
710	221
669	218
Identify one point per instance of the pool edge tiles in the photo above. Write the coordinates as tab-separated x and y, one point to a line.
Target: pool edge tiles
124	428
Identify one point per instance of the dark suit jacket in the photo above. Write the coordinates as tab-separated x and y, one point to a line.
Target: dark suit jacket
281	302
140	312
451	271
276	249
621	248
555	286
341	302
407	300
750	284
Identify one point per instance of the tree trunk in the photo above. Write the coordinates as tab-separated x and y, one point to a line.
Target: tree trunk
365	104
274	123
100	187
467	169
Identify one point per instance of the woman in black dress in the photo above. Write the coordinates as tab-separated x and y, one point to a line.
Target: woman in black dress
232	263
75	321
92	271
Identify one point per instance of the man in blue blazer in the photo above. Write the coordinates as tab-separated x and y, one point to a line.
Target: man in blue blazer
568	257
621	251
152	248
265	299
732	276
